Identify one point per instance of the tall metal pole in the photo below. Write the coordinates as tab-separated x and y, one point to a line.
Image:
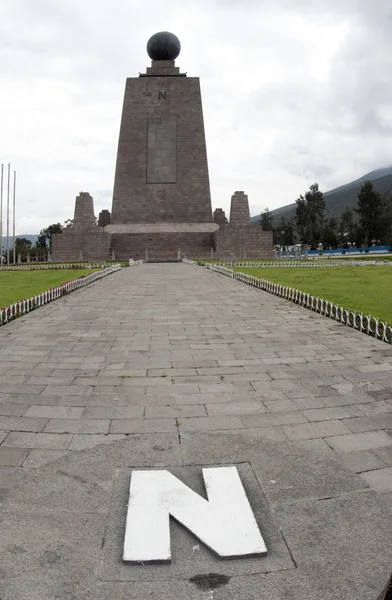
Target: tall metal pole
1	215
13	215
8	214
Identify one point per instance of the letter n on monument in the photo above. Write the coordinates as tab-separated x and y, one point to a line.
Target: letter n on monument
225	522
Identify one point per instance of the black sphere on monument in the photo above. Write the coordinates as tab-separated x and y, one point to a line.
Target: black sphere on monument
163	46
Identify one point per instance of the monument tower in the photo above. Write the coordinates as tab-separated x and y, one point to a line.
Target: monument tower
161	197
161	207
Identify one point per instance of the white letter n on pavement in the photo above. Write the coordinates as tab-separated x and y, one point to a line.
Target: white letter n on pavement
225	522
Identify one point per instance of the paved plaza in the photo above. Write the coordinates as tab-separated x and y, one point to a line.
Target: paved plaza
173	365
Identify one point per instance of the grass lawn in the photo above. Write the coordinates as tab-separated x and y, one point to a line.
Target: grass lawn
19	285
364	289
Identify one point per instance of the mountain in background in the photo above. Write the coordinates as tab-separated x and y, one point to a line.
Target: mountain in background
29	236
337	199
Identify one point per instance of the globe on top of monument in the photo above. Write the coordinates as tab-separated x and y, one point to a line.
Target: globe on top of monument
163	46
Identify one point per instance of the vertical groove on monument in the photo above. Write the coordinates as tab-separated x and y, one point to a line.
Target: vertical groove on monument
161	197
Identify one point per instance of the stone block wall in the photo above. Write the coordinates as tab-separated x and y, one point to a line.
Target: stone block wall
242	242
161	170
81	245
239	210
220	217
162	245
104	218
84	240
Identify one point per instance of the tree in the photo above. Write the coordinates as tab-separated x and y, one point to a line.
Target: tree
41	241
371	210
266	221
347	227
309	215
329	234
22	243
284	232
45	237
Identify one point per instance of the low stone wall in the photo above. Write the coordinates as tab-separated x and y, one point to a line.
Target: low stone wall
242	242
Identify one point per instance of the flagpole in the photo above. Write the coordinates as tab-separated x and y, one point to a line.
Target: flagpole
13	214
8	214
1	215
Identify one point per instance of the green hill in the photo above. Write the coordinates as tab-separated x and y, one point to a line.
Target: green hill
337	199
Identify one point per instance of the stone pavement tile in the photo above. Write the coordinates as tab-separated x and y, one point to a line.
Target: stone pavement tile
139	399
380	480
3	435
233	408
72	372
207	388
375	408
95	381
50	412
22	424
274	434
317	445
184	389
113	412
275	418
210	423
381	394
285	405
287	472
360	461
369	440
193	364
263	391
67	547
172	372
334	412
5	379
320	429
201	398
12	410
342	399
277	375
300	391
82	441
33	399
11	476
67	390
40	380
12	457
110	390
14	388
372	423
172	412
143	426
37	440
77	426
38	458
355	518
375	367
385	454
387	498
308	403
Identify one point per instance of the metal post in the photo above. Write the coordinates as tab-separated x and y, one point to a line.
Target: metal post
1	215
8	214
13	214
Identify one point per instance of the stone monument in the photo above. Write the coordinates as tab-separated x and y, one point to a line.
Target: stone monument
161	200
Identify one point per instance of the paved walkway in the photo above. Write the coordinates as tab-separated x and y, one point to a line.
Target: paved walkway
163	348
175	352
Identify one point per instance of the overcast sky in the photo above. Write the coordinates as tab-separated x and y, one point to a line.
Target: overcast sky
294	91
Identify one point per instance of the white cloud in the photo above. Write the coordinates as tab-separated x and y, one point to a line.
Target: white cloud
292	93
